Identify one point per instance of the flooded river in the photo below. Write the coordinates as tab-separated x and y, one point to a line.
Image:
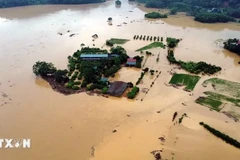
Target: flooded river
79	127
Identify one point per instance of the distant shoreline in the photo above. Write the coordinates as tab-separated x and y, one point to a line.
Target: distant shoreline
4	6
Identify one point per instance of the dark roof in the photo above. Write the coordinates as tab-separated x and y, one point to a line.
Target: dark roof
131	60
117	88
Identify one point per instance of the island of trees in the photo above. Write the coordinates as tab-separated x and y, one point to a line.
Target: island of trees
155	15
88	70
203	10
14	3
233	45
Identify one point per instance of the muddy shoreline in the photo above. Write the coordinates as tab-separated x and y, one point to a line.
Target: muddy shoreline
60	87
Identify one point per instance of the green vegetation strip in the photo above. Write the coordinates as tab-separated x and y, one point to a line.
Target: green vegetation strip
152	45
221	135
193	67
208	102
140	78
118	40
189	81
225	87
132	94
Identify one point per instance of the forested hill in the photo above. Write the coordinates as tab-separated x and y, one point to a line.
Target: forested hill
199	3
207	11
14	3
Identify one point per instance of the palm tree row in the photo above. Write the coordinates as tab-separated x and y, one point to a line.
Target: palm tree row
150	38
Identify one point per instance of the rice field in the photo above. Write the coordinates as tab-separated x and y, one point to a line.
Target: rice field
118	40
152	45
187	80
225	87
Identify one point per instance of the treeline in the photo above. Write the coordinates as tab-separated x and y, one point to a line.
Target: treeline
221	135
193	67
155	15
150	38
227	10
206	17
14	3
233	45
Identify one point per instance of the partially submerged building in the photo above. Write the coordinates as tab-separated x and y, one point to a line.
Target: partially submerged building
93	56
131	62
117	88
97	56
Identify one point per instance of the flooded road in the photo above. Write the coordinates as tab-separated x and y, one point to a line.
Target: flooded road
79	127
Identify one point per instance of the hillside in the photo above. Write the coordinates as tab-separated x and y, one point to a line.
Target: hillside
15	3
204	11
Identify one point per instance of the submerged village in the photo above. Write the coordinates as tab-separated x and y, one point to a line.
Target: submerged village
92	69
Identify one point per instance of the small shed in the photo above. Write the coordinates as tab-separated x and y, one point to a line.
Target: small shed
131	62
117	88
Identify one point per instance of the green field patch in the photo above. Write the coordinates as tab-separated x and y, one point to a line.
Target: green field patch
118	41
225	87
222	98
208	102
152	45
187	80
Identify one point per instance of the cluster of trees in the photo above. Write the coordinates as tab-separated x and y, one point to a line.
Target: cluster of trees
87	71
132	94
118	2
150	38
109	43
233	45
181	118
193	67
221	135
206	17
44	69
14	3
227	10
138	61
155	15
172	42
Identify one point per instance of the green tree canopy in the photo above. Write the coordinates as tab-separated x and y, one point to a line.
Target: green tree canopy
61	76
44	69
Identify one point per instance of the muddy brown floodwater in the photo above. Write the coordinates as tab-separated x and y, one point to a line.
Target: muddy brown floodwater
79	127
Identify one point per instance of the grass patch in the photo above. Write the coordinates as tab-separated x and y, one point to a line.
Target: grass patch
187	80
225	87
152	45
118	41
208	102
222	98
